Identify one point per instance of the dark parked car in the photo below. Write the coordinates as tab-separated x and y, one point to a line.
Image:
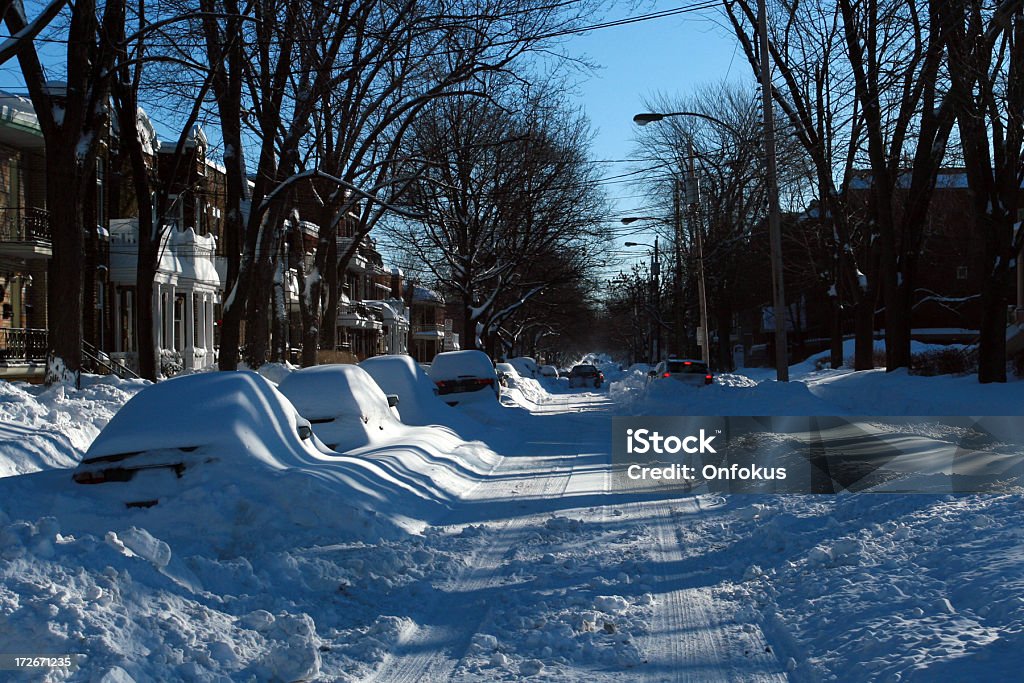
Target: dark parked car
682	370
585	376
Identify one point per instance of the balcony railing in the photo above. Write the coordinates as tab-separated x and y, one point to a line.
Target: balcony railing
31	224
22	345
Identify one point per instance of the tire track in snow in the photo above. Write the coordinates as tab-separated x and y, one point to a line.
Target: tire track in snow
694	635
433	652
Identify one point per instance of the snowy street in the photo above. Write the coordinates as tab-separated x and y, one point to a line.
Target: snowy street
507	551
567	570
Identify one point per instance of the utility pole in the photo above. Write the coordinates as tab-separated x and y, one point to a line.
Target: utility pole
679	343
774	222
656	306
693	200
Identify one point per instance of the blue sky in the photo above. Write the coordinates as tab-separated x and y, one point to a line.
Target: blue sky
671	55
674	56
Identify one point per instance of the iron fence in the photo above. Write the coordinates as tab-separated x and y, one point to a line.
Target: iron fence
22	345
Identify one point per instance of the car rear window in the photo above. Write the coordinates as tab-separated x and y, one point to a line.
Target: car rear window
684	367
584	370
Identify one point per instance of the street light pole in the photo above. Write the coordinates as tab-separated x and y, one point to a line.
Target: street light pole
774	219
657	304
693	200
655	298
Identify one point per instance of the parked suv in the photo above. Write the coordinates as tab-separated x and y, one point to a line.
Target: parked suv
585	376
683	370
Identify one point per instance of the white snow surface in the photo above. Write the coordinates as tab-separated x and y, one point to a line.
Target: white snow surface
427	556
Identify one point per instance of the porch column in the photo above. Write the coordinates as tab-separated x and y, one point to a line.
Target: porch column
201	320
169	317
209	326
188	338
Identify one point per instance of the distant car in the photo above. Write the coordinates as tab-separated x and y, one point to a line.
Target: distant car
463	376
683	370
585	376
525	366
345	407
171	428
548	371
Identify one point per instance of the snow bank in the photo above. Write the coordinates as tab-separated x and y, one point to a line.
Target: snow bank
867	588
254	564
810	391
51	427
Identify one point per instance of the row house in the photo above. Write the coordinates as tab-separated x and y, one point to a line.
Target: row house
25	242
431	329
189	281
189	287
372	317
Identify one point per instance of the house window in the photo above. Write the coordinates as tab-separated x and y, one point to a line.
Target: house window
961	272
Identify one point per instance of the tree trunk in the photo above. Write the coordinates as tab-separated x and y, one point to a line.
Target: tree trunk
864	333
279	315
259	306
836	344
66	273
329	326
998	255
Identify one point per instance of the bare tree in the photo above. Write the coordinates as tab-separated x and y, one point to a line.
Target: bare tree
29	30
403	58
72	119
510	204
152	196
893	55
714	156
986	66
816	96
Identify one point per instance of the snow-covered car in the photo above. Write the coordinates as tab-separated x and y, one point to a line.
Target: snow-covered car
344	405
463	376
400	375
507	375
171	428
585	375
683	370
548	371
525	366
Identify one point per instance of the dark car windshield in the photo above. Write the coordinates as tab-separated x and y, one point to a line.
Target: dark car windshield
584	370
677	367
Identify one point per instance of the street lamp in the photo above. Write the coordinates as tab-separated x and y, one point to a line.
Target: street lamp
774	228
655	296
702	333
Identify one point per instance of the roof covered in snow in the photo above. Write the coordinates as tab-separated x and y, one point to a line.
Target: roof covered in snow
421	294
